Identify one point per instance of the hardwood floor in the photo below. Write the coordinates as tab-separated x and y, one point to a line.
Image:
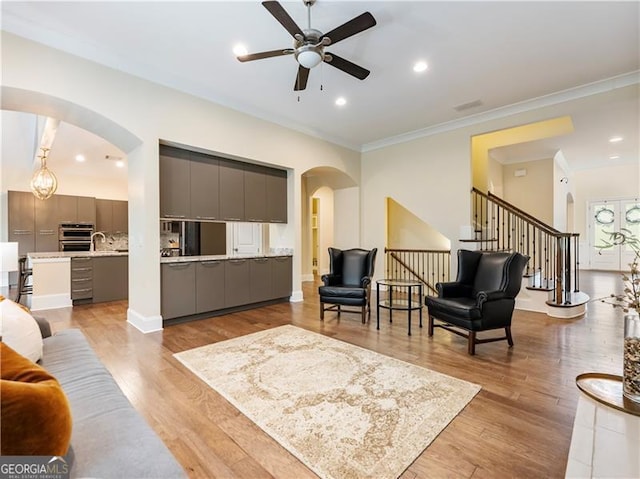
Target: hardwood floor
519	425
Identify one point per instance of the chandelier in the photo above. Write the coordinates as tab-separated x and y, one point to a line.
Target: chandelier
44	183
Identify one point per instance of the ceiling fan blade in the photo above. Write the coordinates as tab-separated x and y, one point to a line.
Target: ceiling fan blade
347	67
280	14
353	26
301	79
259	56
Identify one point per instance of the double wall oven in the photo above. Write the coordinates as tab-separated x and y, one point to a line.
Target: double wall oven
75	236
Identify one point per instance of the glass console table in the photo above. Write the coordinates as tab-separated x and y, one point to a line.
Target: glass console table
399	298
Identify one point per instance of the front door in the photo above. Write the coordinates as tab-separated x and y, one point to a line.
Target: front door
606	217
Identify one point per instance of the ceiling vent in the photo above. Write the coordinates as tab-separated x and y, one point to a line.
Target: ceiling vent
467	106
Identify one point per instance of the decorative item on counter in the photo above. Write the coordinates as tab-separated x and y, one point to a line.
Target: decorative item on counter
629	301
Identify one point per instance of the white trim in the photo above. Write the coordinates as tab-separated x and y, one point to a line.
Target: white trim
49	301
148	324
307	277
567	313
296	297
594	88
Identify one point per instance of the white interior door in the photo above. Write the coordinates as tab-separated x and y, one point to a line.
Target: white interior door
606	217
246	238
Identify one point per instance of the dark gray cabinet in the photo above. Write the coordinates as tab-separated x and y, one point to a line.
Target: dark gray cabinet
204	198
21	220
81	278
276	193
120	216
67	209
260	279
112	216
281	277
86	209
237	286
210	286
231	191
255	194
46	224
110	278
178	289
175	183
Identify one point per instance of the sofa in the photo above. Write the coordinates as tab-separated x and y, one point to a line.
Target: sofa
109	438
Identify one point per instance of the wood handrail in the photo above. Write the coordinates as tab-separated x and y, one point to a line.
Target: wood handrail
515	210
405	250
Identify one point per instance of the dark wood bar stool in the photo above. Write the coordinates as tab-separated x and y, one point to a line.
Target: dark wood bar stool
24	286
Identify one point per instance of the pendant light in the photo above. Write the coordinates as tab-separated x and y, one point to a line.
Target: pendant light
44	183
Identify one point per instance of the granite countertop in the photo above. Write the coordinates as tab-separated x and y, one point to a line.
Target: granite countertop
76	254
218	257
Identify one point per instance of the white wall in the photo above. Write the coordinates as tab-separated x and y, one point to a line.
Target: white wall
346	218
326	237
563	187
150	112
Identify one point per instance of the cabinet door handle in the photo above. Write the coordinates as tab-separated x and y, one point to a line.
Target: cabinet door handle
233	219
237	261
178	265
21	232
81	269
46	232
211	262
82	290
260	260
207	217
78	260
173	216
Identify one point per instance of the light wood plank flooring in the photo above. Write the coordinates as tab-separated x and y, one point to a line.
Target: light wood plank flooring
519	425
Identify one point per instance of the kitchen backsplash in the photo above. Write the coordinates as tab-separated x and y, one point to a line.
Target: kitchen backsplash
113	242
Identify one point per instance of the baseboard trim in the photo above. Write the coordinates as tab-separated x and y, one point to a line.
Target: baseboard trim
296	297
307	277
49	301
144	324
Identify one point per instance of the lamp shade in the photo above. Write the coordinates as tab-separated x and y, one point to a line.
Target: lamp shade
309	58
8	257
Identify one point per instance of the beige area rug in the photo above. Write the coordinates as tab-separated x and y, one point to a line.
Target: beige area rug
344	411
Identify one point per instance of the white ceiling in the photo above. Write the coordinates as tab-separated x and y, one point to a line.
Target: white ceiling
501	53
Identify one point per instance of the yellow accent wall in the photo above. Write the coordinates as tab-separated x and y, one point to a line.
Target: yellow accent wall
405	230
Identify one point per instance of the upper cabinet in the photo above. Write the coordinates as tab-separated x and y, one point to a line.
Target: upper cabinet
175	183
204	175
22	220
203	187
112	216
76	209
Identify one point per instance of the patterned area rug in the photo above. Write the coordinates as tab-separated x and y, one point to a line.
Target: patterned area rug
344	411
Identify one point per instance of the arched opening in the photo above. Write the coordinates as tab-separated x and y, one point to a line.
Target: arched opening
330	217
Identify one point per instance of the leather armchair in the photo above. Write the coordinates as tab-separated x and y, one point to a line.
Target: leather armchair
482	297
348	282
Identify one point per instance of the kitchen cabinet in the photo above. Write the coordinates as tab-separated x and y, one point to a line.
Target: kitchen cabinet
67	209
236	278
81	278
255	194
112	216
110	278
178	288
175	183
204	177
231	190
260	279
21	221
46	224
276	193
120	216
210	286
86	209
282	277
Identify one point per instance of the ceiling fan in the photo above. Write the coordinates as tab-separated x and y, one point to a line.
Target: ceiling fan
309	44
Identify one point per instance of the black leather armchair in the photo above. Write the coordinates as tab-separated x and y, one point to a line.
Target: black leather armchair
349	281
481	298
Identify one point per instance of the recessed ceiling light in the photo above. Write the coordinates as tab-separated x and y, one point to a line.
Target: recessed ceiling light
80	158
240	50
341	101
420	66
120	164
615	139
614	157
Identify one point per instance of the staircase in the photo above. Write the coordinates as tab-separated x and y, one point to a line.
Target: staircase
552	274
424	265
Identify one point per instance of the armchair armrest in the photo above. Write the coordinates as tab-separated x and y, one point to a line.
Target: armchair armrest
484	296
453	289
365	281
331	279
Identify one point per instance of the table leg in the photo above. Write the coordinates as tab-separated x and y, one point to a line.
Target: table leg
420	302
378	306
390	304
409	306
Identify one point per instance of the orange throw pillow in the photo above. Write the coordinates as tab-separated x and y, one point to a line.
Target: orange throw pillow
35	414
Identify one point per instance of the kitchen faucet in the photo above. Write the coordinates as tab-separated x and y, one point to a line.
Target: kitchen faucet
93	235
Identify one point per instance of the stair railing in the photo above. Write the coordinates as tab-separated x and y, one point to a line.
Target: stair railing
554	255
424	265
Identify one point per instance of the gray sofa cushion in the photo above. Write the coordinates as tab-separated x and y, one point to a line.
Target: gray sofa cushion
110	439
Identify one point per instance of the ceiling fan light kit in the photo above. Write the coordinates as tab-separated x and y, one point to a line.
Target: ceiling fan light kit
309	44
